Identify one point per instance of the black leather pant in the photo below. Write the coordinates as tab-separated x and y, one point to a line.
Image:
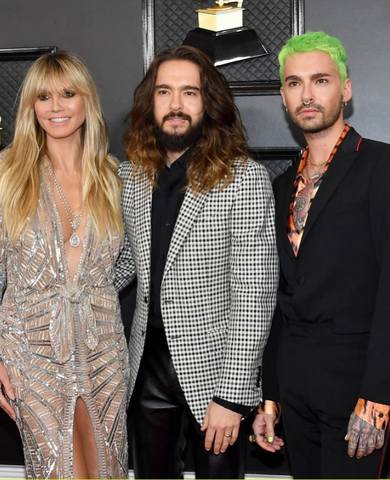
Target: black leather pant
162	424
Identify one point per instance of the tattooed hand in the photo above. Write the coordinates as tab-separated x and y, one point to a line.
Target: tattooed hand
366	428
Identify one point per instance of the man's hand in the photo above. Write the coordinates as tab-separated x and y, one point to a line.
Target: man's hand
367	428
264	427
6	387
221	426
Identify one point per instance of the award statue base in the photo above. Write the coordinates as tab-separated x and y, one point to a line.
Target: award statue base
227	46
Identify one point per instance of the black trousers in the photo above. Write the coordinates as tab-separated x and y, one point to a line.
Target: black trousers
319	378
162	424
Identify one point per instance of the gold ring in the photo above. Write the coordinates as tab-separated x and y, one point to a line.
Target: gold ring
227	435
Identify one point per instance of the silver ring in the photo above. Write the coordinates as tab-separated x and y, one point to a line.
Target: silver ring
227	435
252	437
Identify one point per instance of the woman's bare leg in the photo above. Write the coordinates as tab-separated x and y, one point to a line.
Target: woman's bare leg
85	464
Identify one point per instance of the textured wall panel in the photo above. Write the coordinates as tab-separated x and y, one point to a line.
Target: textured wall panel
11	76
275	160
14	64
273	20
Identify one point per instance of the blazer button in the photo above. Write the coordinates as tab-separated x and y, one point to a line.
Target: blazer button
301	280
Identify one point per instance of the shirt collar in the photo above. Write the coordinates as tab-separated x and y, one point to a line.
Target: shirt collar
182	162
305	154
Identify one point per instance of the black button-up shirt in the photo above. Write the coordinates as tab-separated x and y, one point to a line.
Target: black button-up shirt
167	199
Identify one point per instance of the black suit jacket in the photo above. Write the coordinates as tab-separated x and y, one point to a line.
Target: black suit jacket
342	271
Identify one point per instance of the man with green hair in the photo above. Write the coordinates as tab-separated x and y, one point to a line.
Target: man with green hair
326	365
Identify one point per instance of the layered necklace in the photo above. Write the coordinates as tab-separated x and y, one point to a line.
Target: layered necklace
314	172
73	219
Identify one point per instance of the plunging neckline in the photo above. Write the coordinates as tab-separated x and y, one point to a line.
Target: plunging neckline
69	279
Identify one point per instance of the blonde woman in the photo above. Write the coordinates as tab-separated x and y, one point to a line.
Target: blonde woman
64	365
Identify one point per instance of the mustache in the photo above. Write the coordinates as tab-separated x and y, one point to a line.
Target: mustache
181	115
314	106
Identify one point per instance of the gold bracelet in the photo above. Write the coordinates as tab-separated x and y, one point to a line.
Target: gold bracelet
269	407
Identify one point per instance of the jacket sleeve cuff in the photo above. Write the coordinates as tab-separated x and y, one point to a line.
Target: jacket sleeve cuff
244	410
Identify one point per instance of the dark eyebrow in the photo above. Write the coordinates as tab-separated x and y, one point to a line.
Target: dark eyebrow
184	87
315	76
162	85
191	87
292	77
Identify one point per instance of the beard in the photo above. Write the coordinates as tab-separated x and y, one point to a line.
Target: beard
326	120
178	142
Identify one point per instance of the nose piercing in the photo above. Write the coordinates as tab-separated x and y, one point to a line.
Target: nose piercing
306	103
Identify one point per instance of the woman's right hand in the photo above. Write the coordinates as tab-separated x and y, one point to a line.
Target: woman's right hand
7	388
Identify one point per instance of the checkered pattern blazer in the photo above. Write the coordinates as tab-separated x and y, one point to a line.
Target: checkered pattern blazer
218	290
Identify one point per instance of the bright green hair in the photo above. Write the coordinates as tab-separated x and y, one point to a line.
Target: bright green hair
311	42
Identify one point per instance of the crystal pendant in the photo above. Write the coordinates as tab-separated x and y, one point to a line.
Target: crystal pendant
74	240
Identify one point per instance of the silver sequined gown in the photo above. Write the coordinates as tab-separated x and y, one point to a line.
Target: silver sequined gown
61	339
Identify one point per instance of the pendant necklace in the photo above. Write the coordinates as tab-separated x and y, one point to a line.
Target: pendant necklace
318	171
74	220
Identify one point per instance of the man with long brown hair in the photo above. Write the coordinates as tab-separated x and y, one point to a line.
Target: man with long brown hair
200	236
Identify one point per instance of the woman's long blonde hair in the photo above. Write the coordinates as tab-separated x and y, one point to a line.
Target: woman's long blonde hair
19	170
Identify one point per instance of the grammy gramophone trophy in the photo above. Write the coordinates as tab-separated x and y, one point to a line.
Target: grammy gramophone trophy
222	35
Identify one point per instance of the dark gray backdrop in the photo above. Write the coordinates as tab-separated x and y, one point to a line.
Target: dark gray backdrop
108	35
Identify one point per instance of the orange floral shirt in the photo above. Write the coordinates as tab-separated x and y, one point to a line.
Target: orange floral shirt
304	192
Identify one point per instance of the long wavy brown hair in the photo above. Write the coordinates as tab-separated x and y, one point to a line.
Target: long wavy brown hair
223	140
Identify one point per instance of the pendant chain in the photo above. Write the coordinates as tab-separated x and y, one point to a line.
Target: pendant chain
74	220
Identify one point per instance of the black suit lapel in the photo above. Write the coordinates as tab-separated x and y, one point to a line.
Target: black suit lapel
283	197
342	162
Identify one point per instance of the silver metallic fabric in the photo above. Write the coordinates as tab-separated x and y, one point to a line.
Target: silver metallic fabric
62	338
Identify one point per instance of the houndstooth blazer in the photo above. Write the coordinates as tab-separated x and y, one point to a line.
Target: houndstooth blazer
218	290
